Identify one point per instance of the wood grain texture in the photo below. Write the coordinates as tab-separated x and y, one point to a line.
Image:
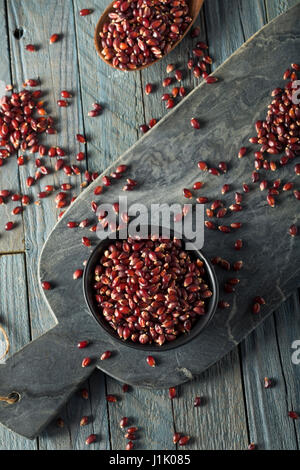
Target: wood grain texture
110	134
267	353
14	240
57	67
54	66
224	28
14	319
149	410
72	436
288	331
222	408
279	6
252	19
230	24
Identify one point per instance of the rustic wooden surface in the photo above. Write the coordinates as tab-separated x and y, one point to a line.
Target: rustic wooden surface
236	408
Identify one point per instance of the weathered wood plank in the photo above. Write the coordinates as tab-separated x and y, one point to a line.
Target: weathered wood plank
276	8
70	435
121	96
224	29
98	412
9	179
116	129
14	319
252	19
220	422
57	68
229	24
149	410
288	331
267	353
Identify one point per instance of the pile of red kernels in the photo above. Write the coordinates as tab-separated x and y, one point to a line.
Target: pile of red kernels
19	129
140	32
278	136
23	121
150	291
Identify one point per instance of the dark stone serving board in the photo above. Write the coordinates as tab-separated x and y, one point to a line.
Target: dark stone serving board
47	371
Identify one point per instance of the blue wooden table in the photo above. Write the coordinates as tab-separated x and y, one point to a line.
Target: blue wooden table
236	408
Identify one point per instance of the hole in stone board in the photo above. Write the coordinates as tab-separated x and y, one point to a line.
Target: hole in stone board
18	33
14	396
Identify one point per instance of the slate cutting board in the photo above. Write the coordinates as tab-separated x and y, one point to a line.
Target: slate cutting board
47	371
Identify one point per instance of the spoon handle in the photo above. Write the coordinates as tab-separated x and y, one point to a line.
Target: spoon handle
42	376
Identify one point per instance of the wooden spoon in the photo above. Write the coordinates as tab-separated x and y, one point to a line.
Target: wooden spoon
194	9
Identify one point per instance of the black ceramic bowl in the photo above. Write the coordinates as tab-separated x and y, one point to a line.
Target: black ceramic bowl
202	322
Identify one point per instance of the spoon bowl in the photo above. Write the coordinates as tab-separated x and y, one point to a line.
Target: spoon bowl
194	9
